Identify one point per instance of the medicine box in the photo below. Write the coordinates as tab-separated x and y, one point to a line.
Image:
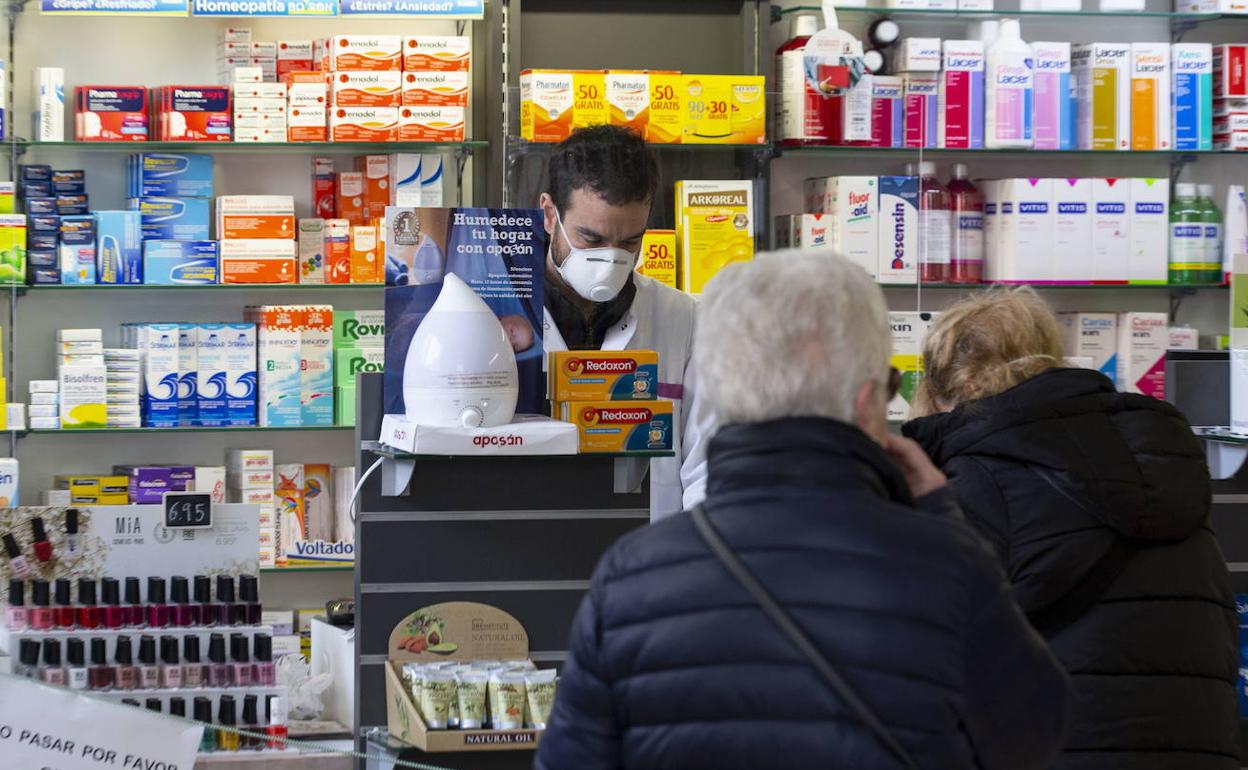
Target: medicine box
432	124
77	250
746	99
1102	73
667	107
961	95
612	427
888	112
359	328
444	89
278	339
365	52
1149	228
174	263
715	227
918	54
921	95
625	375
1150	96
48	121
173	218
1111	234
193	113
1192	85
1230	70
119	258
366	256
376	88
1055	100
312	250
437	53
84	396
13	254
405	176
898	229
658	257
1093	336
364	124
909	330
1024	252
110	113
241	373
188	401
176	175
1072	230
1143	339
628	99
853	204
253	261
316	365
546	101
352	361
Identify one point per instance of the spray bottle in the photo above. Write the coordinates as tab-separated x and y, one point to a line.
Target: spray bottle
1008	91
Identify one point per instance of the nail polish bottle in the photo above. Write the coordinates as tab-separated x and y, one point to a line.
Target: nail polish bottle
41	615
63	611
157	610
192	667
149	672
72	546
205	612
154	704
133	606
177	707
51	671
41	547
100	676
88	611
219	672
251	725
127	676
202	711
265	674
180	614
277	729
76	664
229	609
18	566
170	665
242	660
113	615
249	594
131	702
227	738
16	616
28	659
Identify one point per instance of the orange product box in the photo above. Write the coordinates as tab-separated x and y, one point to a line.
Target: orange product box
437	53
258	226
435	89
666	123
307	124
337	251
364	124
365	256
546	101
590	99
431	124
365	52
304	78
628	99
258	261
376	171
349	201
323	187
366	88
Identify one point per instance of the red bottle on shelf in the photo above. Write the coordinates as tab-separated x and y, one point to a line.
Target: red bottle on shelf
88	612
114	615
966	263
935	220
63	612
805	115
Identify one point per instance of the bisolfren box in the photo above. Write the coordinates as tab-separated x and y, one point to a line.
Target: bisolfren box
623	375
613	426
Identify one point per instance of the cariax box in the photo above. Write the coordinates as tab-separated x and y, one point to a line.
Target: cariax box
443	633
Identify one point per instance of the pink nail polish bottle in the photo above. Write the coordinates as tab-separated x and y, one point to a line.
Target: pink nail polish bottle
17	562
16	616
220	673
265	672
52	672
193	670
242	660
149	672
127	676
171	677
41	615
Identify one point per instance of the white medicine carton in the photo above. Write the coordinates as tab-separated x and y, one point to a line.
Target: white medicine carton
1149	227
1093	336
1072	230
1143	339
1111	229
1025	231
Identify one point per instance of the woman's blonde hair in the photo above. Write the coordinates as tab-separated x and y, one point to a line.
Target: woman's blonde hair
986	345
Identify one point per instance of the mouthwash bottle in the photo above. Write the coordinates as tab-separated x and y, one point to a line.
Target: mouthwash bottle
935	227
1187	236
967	245
1214	233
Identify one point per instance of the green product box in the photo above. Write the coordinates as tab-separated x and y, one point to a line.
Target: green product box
344	405
350	361
359	328
12	249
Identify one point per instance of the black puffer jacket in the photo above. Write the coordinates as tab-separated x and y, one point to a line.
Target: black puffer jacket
673	665
1055	471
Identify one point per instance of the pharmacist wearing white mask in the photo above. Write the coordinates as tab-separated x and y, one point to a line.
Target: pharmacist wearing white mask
602	185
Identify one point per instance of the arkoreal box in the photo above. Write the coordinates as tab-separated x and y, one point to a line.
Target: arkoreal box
110	113
1143	339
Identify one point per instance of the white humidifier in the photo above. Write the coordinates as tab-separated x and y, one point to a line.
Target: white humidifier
460	369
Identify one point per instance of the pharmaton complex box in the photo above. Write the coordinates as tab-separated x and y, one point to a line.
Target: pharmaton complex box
1143	339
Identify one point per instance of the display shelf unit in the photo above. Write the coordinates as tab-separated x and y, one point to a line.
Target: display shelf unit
315	568
197	429
44	288
259	148
857	150
782	14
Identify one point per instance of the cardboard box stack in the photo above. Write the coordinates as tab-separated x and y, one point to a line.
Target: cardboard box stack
612	397
45	404
122	366
257	238
249	480
259	112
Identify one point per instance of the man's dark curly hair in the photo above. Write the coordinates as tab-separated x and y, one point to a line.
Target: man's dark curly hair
611	161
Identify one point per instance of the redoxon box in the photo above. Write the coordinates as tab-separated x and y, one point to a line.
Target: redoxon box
714	228
898	229
1102	73
436	89
280	384
432	124
316	369
628	99
1230	70
1191	66
921	92
312	250
961	97
658	257
853	205
48	119
546	100
610	426
169	174
888	112
1072	230
589	375
909	331
365	52
437	53
1143	339
1149	227
1111	230
364	124
188	375
376	88
110	114
1093	336
1054	101
1150	96
1024	232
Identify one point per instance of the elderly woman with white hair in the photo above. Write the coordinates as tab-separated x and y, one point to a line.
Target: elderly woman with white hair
811	613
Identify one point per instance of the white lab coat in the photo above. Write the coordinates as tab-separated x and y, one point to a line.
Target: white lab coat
662	319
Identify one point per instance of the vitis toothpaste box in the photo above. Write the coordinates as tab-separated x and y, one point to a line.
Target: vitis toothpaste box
1025	235
1143	339
437	53
317	365
450	89
1191	66
119	239
1093	336
365	52
211	374
888	112
1102	73
1150	96
162	174
853	203
1111	230
961	101
188	373
898	229
1149	231
921	93
1055	98
1072	230
110	113
278	336
405	174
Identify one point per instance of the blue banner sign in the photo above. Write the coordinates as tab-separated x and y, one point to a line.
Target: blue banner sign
114	7
291	8
446	9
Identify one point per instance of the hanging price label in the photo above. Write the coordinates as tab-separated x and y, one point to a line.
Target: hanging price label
188	510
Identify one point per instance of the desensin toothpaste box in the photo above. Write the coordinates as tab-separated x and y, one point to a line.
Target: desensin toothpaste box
899	229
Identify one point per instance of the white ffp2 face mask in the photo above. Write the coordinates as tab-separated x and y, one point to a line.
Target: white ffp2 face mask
598	275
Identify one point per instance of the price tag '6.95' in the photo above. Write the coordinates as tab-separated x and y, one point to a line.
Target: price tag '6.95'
188	510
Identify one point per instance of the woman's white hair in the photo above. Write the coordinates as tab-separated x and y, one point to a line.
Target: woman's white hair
790	334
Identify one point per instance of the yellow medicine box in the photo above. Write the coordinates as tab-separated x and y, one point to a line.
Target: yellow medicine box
658	257
613	426
715	227
608	375
589	93
667	107
546	101
725	109
628	99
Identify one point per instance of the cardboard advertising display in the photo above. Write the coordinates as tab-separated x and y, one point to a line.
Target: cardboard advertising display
462	631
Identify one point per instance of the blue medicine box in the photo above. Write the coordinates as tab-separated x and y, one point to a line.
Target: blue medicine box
173	219
169	174
119	250
179	263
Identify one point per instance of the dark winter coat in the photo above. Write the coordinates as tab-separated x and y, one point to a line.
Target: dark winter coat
1054	472
672	665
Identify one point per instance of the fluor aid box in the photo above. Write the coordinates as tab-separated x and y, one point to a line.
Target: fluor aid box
613	426
1143	339
590	375
852	204
715	227
1102	73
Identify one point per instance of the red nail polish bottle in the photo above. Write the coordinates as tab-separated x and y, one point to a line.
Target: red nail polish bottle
230	612
277	730
88	612
113	613
204	612
180	611
157	610
41	546
100	676
41	615
133	607
249	594
63	612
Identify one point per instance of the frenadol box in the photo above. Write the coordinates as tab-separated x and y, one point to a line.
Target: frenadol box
1191	66
1055	104
432	124
1150	96
961	97
898	229
1025	231
1143	339
435	89
369	88
365	52
715	227
590	375
364	124
1093	336
424	53
853	204
1111	230
1149	228
1072	230
1102	73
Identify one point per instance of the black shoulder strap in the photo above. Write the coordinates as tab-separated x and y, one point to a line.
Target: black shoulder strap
1061	614
785	623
